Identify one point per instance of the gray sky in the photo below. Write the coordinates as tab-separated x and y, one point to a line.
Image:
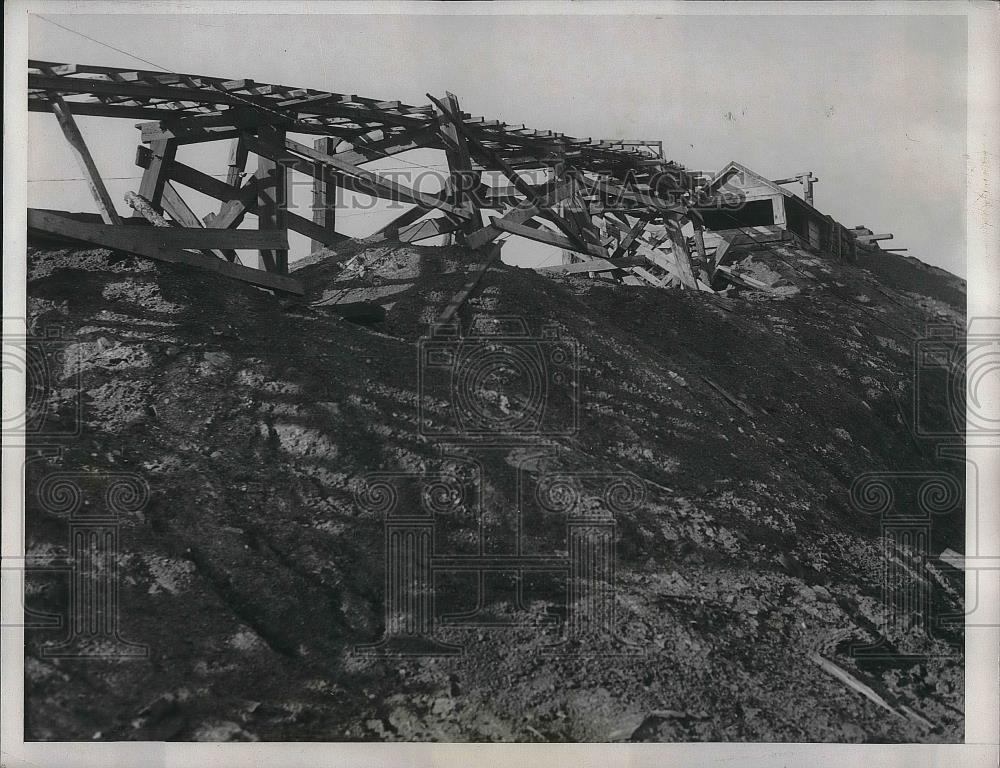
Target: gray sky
873	105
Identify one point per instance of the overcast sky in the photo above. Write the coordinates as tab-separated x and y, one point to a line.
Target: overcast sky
873	105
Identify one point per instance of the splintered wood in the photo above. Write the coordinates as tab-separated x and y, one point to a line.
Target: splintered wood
617	208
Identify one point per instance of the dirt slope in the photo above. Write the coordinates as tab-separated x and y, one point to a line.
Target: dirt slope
252	573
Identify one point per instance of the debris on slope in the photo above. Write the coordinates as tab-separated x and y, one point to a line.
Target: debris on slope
252	575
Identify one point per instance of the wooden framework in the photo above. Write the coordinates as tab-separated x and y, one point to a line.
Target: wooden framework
617	208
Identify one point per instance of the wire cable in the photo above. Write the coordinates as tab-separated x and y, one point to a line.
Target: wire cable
99	42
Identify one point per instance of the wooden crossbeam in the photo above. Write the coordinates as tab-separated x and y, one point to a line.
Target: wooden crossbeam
547	194
400	191
634	195
493	160
393	145
178	210
74	138
238	202
630	236
593	265
428	228
137	240
548	237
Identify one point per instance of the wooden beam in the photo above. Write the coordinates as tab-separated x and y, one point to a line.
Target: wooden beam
548	237
629	238
324	192
391	230
100	109
237	161
137	240
156	173
493	160
681	254
393	145
401	192
201	238
64	116
272	199
593	265
462	182
178	210
239	202
427	228
466	291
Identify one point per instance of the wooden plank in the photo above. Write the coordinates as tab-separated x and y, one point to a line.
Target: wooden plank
201	238
178	210
637	196
746	409
137	240
272	199
324	192
239	202
466	291
364	153
630	236
744	280
682	256
592	265
492	159
391	230
100	109
548	237
427	228
237	161
648	276
524	211
81	153
853	683
461	182
155	176
406	194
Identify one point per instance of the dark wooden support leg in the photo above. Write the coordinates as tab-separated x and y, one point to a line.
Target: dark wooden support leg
324	192
82	154
272	199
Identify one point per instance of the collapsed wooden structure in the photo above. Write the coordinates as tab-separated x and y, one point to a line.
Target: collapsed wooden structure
613	207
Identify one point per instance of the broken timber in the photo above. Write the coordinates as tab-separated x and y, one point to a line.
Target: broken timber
156	243
582	207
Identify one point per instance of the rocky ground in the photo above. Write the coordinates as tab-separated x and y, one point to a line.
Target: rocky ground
252	574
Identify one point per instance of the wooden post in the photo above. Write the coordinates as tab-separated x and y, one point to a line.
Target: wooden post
105	206
462	181
807	186
682	256
162	155
324	192
237	161
272	198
